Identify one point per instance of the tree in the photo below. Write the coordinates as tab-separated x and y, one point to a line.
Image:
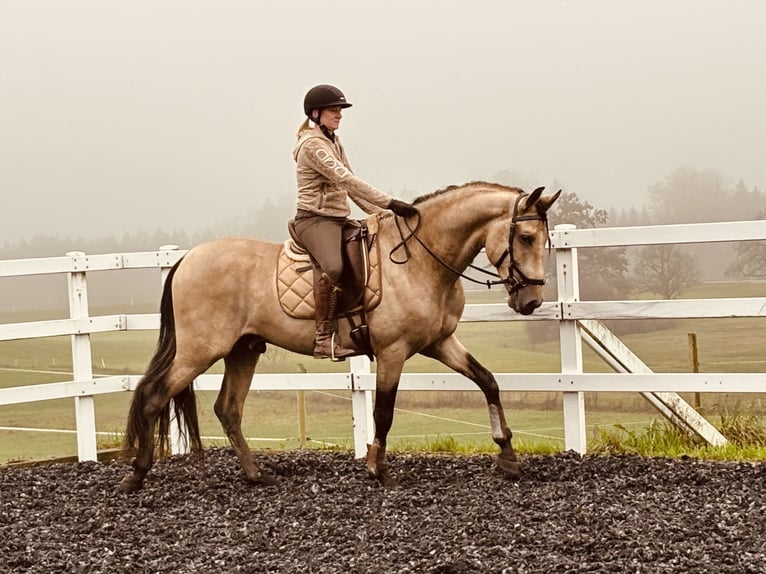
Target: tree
750	257
690	195
665	270
750	260
603	270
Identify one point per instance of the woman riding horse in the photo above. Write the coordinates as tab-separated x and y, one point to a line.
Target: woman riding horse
325	182
221	301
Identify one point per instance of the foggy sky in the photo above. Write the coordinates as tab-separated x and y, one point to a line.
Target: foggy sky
120	116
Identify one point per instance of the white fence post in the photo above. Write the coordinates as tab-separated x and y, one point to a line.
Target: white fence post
361	409
85	410
177	444
567	275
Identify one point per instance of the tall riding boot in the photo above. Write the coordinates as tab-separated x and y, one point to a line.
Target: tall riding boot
325	341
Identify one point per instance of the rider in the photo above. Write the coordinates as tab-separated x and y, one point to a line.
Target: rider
325	182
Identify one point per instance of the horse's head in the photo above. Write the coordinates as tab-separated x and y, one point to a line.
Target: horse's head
516	246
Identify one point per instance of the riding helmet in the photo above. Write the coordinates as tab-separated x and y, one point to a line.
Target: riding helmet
323	96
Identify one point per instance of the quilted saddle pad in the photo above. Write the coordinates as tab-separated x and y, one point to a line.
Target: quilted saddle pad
295	279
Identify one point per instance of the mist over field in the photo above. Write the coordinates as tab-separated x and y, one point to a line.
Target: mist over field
119	120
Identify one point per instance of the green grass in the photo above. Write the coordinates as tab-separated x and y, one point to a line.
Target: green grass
746	435
727	345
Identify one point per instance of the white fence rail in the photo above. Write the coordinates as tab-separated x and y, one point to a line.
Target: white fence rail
568	311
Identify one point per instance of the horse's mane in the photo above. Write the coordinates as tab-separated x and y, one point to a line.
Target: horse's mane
452	188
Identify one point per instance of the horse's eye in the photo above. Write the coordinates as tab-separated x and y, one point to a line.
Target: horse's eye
527	239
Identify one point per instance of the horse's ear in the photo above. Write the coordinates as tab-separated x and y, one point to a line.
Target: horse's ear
533	197
545	203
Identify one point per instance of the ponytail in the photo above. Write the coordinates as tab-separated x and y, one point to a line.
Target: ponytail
304	126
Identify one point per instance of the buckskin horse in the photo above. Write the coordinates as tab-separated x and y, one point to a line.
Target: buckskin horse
220	301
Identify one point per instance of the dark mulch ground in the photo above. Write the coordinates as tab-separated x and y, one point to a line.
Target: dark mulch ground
452	514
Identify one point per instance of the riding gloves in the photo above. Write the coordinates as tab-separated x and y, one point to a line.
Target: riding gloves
402	208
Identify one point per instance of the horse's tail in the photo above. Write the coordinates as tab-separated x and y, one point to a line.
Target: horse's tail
152	383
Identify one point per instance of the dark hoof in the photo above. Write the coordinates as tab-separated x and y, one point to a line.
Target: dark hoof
266	479
383	477
389	482
511	468
129	484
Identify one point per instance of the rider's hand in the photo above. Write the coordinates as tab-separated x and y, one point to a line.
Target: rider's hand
402	208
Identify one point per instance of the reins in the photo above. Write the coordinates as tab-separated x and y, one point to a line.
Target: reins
514	282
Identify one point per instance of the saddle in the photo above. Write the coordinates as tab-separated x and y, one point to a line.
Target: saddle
361	281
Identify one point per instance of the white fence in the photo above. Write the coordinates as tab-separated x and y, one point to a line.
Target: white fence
578	322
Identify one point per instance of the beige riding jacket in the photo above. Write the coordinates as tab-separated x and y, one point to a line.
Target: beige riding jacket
325	179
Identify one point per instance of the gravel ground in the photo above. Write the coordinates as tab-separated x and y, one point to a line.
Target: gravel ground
451	515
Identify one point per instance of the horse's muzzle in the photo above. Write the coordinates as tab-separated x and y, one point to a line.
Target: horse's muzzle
524	308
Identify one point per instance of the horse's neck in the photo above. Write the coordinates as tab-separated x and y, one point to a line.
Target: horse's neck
457	226
453	228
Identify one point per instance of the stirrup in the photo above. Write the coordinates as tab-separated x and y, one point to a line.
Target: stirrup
332	357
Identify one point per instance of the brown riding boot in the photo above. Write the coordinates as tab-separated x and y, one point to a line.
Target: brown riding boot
325	342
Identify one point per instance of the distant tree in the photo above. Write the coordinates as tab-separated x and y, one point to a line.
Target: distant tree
603	270
689	195
751	260
571	209
665	270
631	217
750	257
268	222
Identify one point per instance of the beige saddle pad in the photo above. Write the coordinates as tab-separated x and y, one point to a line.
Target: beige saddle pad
295	278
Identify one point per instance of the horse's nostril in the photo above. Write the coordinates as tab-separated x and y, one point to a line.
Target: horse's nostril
530	306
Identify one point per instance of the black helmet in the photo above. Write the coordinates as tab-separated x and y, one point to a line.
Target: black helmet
323	96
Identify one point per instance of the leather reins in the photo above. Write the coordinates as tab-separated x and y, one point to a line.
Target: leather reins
516	278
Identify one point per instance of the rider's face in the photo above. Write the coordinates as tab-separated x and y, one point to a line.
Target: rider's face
330	117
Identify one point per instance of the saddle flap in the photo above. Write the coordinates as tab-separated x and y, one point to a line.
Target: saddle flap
361	275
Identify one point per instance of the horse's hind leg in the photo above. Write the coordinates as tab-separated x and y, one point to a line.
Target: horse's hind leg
150	401
452	353
240	366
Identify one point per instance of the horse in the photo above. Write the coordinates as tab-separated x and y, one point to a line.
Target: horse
220	302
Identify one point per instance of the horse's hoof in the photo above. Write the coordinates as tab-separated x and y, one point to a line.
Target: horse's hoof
388	481
265	479
511	468
129	484
384	478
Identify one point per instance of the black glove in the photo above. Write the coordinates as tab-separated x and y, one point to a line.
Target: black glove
402	208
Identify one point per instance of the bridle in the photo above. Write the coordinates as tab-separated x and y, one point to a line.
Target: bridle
516	278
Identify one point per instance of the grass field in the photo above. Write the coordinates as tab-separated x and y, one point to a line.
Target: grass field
453	421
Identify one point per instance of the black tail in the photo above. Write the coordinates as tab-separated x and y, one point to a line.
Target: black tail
152	385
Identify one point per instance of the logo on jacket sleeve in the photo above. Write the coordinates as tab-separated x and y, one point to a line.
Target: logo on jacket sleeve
327	159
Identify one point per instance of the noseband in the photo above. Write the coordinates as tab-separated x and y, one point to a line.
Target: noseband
516	278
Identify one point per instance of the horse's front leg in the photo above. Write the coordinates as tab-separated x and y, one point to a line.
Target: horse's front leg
387	382
452	353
